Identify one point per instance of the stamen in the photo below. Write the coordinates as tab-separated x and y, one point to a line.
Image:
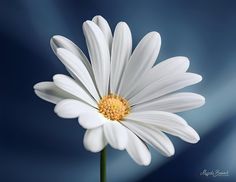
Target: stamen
114	107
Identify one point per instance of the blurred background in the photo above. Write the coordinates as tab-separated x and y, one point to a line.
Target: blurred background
38	146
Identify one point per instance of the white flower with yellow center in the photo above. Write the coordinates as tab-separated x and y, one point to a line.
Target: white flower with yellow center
119	96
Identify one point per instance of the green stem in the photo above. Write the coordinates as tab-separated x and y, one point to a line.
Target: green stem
103	166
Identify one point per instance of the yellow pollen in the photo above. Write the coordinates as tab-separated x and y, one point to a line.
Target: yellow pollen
114	107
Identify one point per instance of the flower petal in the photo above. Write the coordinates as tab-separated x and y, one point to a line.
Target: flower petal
167	122
70	108
165	86
99	55
121	50
142	59
157	117
94	139
75	65
50	92
105	28
58	41
90	120
69	85
152	136
116	134
170	67
187	133
173	103
137	150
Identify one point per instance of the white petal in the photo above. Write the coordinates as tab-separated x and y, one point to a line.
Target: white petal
165	86
137	149
99	55
173	103
50	92
94	139
170	67
59	41
75	65
152	136
157	117
142	59
167	122
69	85
121	50
187	133
105	28
116	134
70	108
90	120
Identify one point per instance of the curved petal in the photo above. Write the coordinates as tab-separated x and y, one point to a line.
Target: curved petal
105	28
90	120
152	136
187	133
116	134
121	50
69	85
50	92
75	66
58	41
142	59
70	108
94	139
170	67
157	117
167	122
137	150
173	103
99	55
165	86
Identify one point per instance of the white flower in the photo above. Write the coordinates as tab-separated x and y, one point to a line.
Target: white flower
121	98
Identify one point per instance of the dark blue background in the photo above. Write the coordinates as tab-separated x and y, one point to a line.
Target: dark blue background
38	146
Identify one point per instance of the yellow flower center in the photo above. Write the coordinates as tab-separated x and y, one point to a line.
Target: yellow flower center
114	107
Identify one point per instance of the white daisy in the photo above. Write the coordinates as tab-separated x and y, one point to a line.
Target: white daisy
121	98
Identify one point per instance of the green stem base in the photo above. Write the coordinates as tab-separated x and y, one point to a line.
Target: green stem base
103	166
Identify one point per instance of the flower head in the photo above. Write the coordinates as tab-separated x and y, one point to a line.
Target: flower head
119	96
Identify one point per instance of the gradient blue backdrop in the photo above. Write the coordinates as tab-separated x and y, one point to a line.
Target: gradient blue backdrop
38	146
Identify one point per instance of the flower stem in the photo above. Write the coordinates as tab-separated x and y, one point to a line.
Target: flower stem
103	165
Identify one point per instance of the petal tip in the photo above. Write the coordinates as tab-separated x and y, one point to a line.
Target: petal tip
170	151
203	100
185	60
122	24
88	23
200	78
41	85
98	18
196	138
57	76
55	39
154	35
147	162
36	86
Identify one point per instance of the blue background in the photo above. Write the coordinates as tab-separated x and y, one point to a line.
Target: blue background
38	146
